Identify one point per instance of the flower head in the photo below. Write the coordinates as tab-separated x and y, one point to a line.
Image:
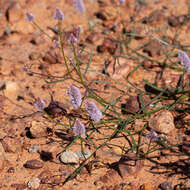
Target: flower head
120	2
75	96
39	104
79	5
184	59
58	15
79	128
152	135
93	111
56	43
29	17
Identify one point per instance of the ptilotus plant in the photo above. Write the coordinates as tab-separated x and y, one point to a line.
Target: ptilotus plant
184	59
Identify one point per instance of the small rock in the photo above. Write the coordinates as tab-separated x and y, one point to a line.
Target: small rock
14	12
162	122
11	170
45	176
33	149
107	45
92	38
34	183
166	185
146	186
11	90
33	164
69	158
11	144
129	165
153	48
110	174
49	151
37	130
133	104
119	69
19	186
83	155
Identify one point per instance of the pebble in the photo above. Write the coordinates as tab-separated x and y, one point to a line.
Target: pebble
34	183
162	122
129	165
166	185
37	130
18	186
33	164
11	145
107	45
146	186
133	104
69	158
82	156
33	149
11	90
153	49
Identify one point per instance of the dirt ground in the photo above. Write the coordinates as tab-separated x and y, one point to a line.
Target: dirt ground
155	29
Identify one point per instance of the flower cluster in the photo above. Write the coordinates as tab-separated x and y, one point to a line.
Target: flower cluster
79	5
152	135
58	15
39	104
184	59
79	128
75	96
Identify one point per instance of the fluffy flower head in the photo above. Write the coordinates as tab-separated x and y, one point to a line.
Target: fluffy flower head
29	17
79	5
152	135
184	59
39	104
93	111
58	15
79	128
75	96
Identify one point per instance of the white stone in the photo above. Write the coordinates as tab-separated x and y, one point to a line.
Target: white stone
34	183
69	158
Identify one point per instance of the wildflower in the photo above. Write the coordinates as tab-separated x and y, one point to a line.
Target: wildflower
79	5
120	2
152	135
25	68
184	59
93	111
58	15
29	17
79	128
39	104
75	96
56	43
74	35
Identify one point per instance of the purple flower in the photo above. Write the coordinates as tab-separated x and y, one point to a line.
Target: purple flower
93	111
29	17
79	5
152	135
120	2
25	68
79	128
58	15
56	43
75	96
39	104
184	59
